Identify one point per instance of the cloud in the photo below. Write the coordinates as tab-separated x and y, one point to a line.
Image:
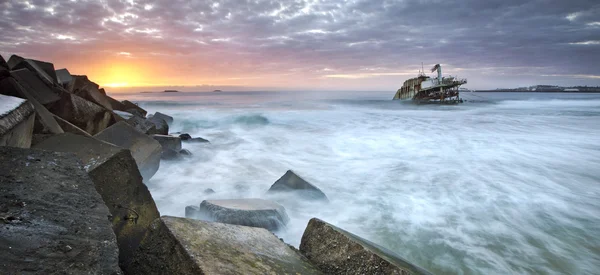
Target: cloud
243	39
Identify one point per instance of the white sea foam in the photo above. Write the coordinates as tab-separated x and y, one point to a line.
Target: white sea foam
508	186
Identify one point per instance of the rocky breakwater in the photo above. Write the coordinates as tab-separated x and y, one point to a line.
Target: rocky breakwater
73	167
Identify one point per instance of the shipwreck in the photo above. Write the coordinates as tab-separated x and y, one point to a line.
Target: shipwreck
426	90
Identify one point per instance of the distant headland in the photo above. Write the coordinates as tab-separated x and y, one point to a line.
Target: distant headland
546	89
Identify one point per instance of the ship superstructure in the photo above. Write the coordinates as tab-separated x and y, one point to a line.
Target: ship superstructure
424	89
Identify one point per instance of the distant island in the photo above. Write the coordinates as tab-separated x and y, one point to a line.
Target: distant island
217	91
546	89
170	91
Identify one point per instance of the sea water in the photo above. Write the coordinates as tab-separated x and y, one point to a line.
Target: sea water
502	184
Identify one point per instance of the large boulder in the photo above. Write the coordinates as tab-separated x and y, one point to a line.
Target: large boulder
183	246
16	122
53	220
130	105
10	86
292	183
117	179
64	77
142	125
83	87
82	113
335	251
162	127
145	150
43	93
249	212
44	70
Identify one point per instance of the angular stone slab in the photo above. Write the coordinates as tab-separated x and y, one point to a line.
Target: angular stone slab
130	105
86	89
82	113
70	128
16	122
249	212
167	118
117	179
142	125
63	76
183	246
145	150
44	70
290	182
43	93
116	105
168	142
336	251
53	220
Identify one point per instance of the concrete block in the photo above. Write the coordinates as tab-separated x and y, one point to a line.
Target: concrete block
145	150
82	113
130	105
142	125
117	179
64	77
70	128
88	90
53	220
168	142
183	246
162	127
123	115
249	212
292	183
43	93
116	105
167	118
16	122
44	70
335	251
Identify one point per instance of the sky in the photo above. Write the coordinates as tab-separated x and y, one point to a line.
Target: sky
309	44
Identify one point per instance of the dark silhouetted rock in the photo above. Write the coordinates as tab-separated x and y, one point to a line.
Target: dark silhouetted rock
142	125
117	179
185	137
84	114
53	220
185	152
335	251
130	105
43	93
135	112
3	62
162	127
197	140
290	182
168	142
249	212
145	150
16	122
88	90
167	118
183	246
64	77
209	191
44	70
116	105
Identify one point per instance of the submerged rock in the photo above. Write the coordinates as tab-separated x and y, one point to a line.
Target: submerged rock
250	212
183	246
290	182
185	136
53	220
185	152
335	251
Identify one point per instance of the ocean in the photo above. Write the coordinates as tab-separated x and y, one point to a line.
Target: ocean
502	184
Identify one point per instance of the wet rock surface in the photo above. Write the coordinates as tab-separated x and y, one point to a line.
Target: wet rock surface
184	246
249	212
335	251
53	220
292	183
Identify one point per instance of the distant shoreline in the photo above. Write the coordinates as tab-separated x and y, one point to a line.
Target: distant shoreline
511	91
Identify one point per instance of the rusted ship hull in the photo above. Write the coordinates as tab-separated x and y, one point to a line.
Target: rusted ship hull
425	90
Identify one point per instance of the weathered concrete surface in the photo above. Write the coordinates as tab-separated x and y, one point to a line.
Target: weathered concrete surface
63	76
142	125
183	246
88	90
130	105
145	150
249	212
70	128
115	104
43	93
290	182
44	70
54	221
16	122
167	118
117	179
335	251
82	113
43	116
162	127
168	142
